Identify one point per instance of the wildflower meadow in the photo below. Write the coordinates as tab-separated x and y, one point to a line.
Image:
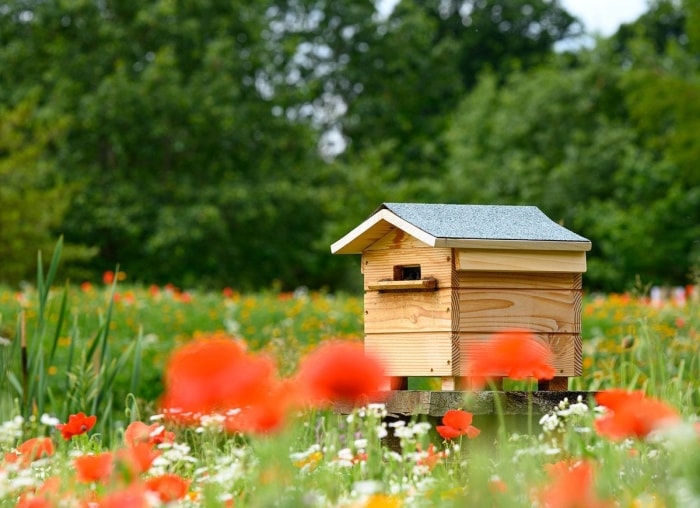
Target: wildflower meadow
115	394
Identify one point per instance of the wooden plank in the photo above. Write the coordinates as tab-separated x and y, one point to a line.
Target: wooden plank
412	311
519	280
546	310
413	354
520	260
567	357
398	285
479	243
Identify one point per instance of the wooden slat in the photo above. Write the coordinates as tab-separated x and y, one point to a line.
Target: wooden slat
398	239
566	351
397	285
518	280
521	260
545	310
413	354
410	311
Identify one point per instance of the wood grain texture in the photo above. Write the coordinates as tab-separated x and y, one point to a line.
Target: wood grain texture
518	280
411	311
492	310
412	354
399	249
399	285
520	260
566	351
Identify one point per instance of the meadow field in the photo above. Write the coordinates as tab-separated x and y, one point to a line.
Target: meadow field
82	398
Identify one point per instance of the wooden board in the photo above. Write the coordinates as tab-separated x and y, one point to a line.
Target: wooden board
521	260
519	280
543	310
410	311
415	354
566	349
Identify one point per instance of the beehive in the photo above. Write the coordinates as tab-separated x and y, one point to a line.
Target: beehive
439	277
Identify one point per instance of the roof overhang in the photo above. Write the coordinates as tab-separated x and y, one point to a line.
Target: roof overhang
383	221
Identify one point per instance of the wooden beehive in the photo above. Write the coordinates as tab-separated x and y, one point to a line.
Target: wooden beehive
439	277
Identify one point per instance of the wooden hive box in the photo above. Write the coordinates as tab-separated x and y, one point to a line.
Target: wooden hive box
439	277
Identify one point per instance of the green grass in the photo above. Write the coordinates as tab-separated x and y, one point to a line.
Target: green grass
104	348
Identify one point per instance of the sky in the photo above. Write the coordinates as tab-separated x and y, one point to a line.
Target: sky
604	16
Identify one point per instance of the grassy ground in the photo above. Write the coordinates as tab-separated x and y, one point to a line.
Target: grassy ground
101	349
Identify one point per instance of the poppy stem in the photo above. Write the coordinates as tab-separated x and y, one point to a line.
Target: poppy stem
499	412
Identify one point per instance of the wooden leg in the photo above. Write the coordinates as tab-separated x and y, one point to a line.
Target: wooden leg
448	383
394	383
556	384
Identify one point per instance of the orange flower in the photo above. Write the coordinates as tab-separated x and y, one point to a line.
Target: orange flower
517	354
138	432
77	424
266	416
207	376
92	468
108	277
339	371
138	458
457	423
571	487
631	414
431	458
169	487
133	496
35	448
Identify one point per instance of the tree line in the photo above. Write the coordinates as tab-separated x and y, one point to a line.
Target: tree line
218	143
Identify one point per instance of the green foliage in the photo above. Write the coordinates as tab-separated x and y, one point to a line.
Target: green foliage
192	143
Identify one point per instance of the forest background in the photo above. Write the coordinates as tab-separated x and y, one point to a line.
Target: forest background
216	143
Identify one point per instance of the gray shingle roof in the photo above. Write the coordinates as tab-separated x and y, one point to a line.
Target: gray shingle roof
487	222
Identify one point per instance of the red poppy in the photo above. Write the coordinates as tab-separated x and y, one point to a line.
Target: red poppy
92	468
631	414
169	487
35	448
133	496
571	487
430	457
517	354
339	371
268	415
138	432
457	423
137	458
77	424
108	277
214	375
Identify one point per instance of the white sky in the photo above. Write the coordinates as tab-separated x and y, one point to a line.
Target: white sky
602	17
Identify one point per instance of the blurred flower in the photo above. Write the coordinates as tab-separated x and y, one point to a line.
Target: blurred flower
208	376
77	424
108	277
86	287
517	354
92	468
339	371
35	448
133	496
631	414
138	432
169	487
457	423
429	457
137	458
571	486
